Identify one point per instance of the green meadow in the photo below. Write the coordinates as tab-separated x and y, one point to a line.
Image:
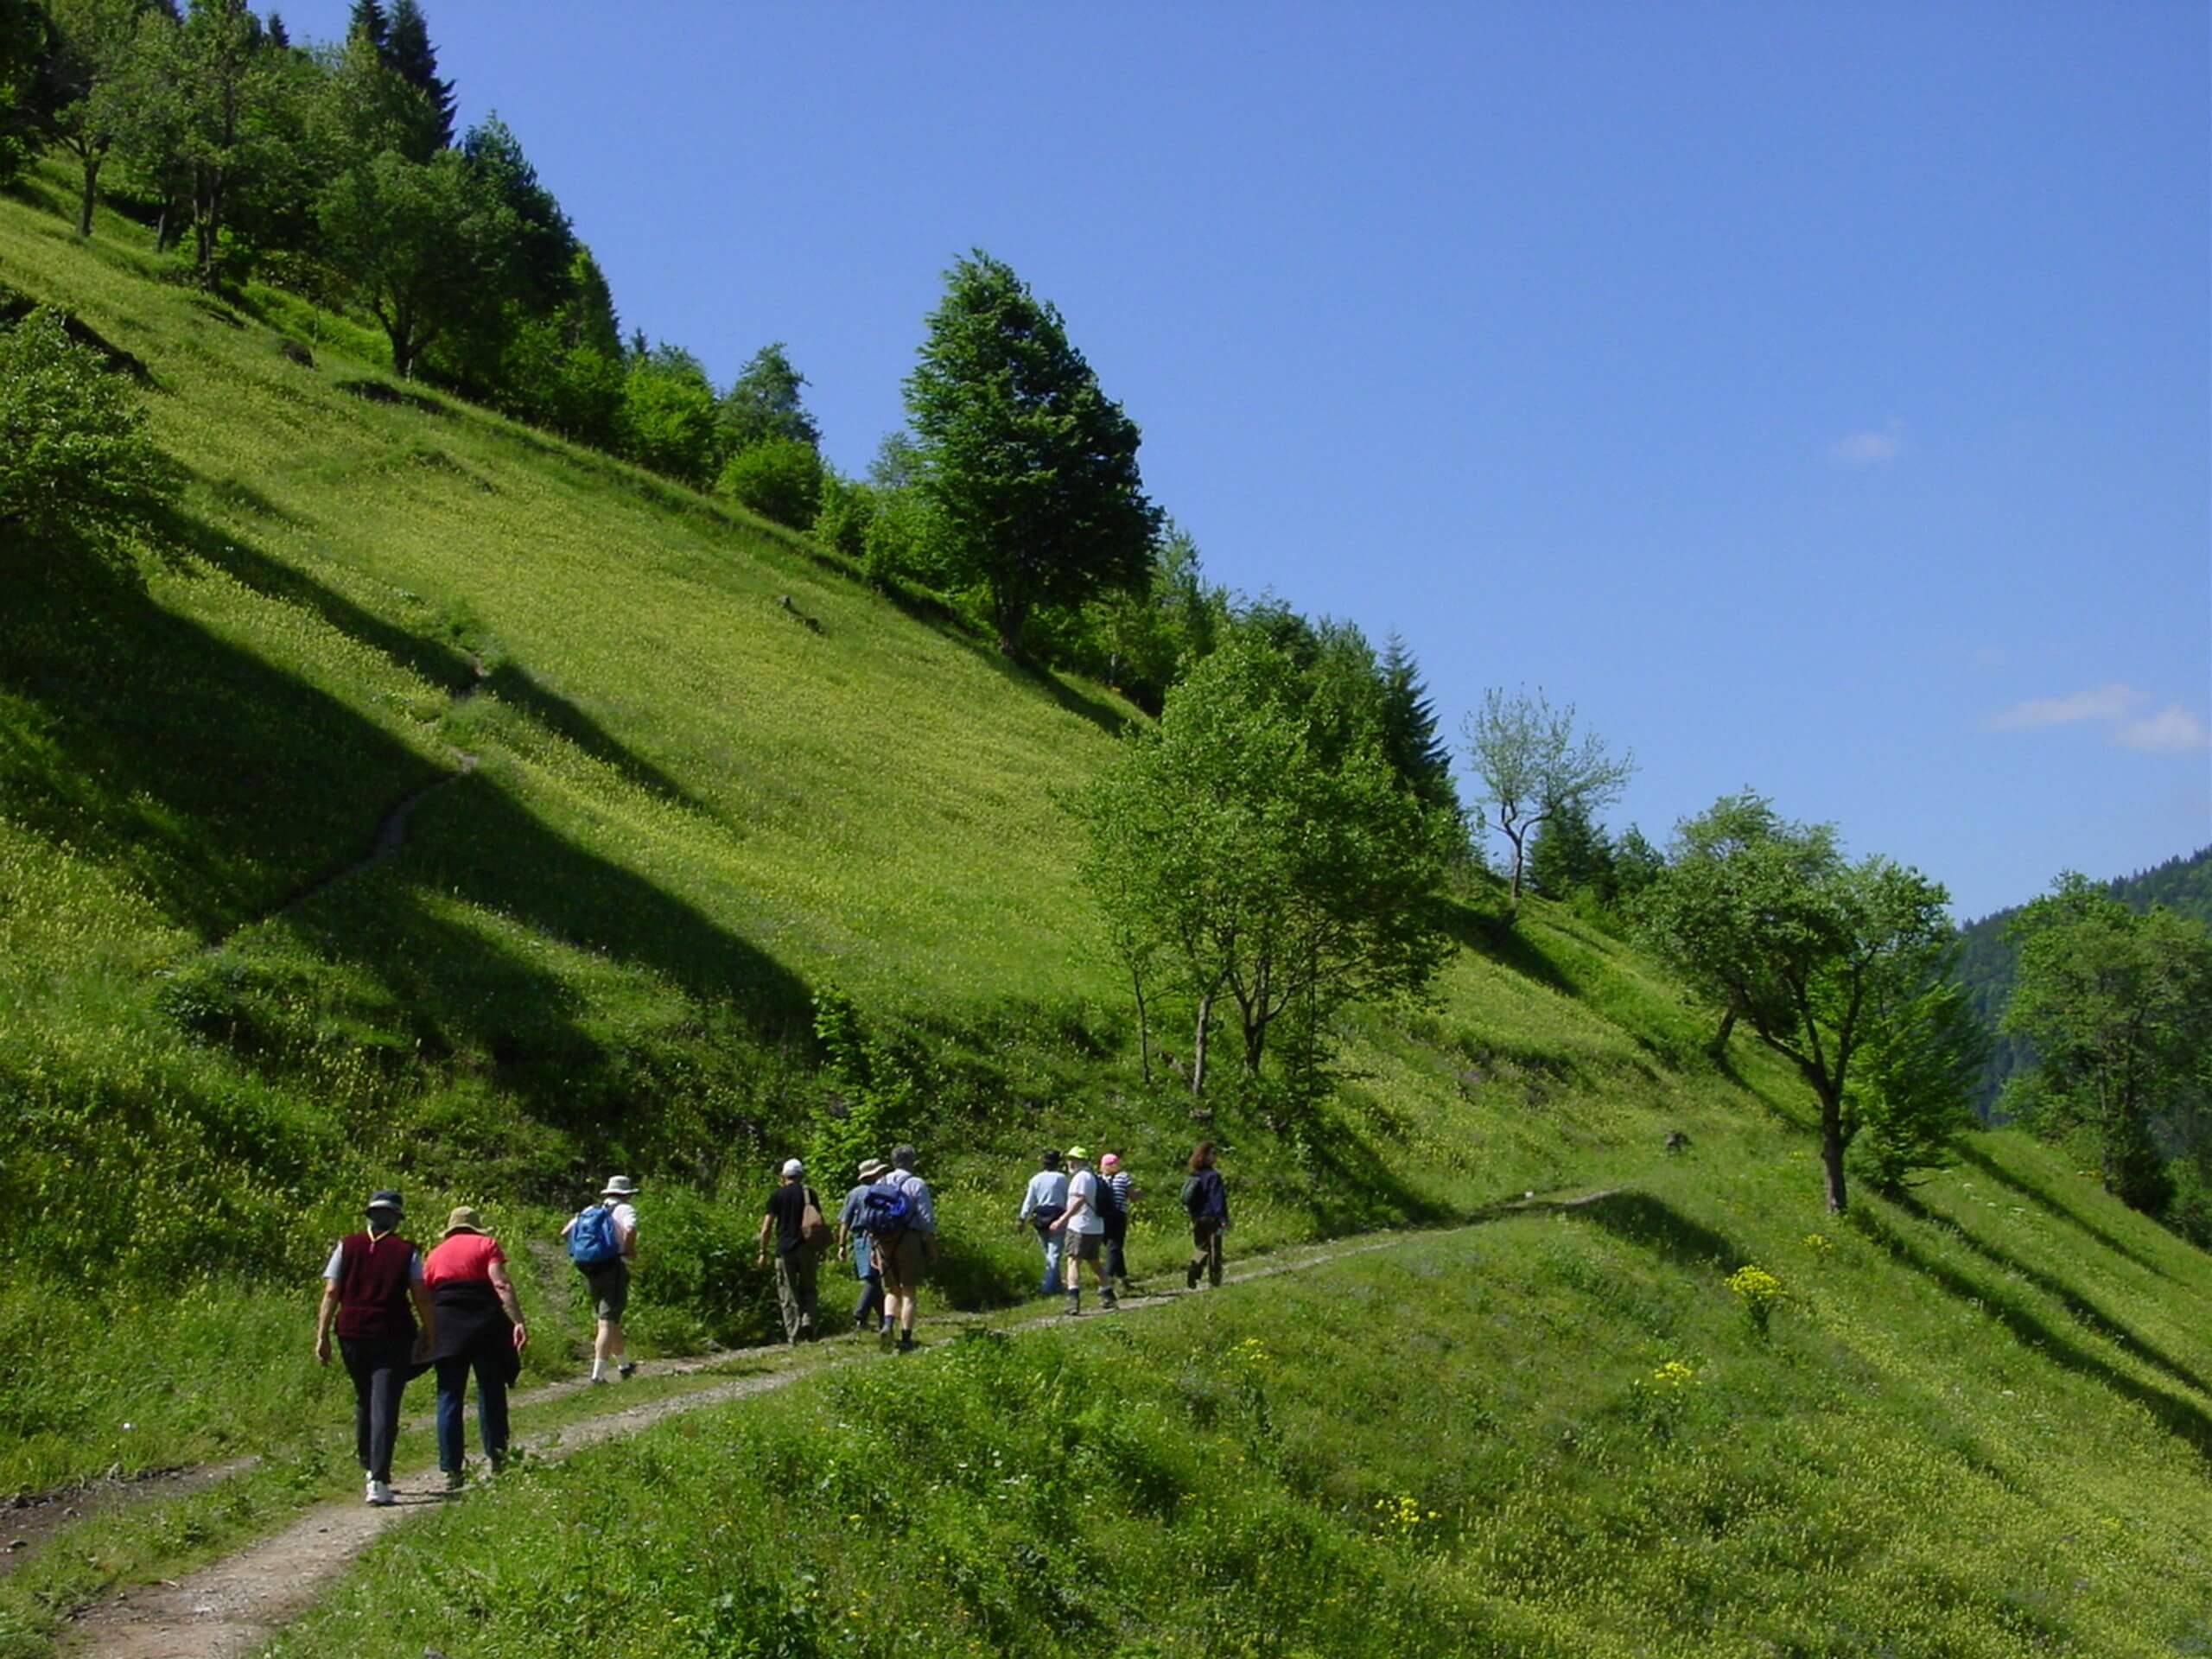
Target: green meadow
448	806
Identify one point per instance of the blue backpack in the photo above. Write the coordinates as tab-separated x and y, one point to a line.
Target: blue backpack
887	1210
591	1239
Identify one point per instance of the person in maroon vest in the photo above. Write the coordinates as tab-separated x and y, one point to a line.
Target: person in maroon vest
372	1287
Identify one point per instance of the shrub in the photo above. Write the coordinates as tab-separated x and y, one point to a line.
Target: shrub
778	477
74	466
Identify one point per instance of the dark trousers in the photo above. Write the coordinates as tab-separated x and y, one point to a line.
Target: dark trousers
491	1364
378	1366
1117	1235
870	1305
796	1281
1205	1235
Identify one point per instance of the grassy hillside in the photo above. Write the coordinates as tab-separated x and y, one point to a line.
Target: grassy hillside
451	807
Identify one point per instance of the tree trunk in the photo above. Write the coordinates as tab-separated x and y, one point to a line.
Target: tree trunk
1255	1040
1832	1143
90	196
1144	1027
1198	1045
1727	1027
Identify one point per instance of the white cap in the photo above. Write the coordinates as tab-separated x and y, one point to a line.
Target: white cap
792	1166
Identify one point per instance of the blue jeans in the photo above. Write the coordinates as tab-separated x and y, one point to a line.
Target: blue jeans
491	1407
871	1302
1050	1284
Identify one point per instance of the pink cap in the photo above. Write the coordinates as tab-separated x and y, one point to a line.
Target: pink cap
1111	1160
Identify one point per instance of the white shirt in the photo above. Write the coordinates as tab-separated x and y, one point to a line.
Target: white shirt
1084	1185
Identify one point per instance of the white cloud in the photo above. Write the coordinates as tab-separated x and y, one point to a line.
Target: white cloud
2172	730
1867	448
2105	702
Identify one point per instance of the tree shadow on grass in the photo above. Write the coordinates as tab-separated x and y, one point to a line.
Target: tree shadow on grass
514	685
1970	1153
1502	943
2183	1419
2077	1305
1653	1224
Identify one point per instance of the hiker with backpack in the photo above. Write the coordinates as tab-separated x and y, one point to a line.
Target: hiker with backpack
602	1241
1083	1230
900	1219
1115	1192
480	1329
853	1241
795	1216
1205	1200
1043	1203
372	1291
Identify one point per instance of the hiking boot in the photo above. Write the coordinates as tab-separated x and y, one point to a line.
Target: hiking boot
626	1369
884	1338
1190	1276
1075	1305
907	1344
456	1479
380	1494
1108	1302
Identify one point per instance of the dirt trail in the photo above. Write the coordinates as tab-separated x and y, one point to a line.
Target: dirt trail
234	1606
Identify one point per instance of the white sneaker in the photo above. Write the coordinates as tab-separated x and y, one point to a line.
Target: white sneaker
381	1495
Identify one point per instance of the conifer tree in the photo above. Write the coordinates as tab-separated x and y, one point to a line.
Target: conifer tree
369	23
407	48
1421	757
279	36
763	403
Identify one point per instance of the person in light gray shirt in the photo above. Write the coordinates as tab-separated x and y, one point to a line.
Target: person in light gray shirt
1045	1202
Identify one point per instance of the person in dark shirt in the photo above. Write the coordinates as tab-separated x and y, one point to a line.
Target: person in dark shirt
796	1259
372	1290
1206	1200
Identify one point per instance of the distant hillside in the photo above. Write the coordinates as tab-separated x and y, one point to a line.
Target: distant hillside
1986	958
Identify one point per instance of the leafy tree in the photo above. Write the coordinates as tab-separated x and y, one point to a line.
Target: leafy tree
1637	865
22	47
1032	468
1228	854
1533	767
422	244
1916	1078
407	48
667	418
2118	1007
764	402
1827	961
779	478
87	58
75	466
897	464
848	507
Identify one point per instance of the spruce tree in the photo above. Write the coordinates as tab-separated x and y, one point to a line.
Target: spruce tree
368	21
407	48
1419	757
279	36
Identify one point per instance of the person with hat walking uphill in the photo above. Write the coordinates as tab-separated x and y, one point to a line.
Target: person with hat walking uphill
368	1285
480	1329
899	1217
1043	1202
602	1241
853	1241
794	1214
1116	1190
1083	1230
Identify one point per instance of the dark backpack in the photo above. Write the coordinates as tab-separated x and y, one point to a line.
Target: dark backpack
1196	1190
591	1238
887	1210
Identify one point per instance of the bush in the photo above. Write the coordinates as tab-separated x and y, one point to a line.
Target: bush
74	466
781	478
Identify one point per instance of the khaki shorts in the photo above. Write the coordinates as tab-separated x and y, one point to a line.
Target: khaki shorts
901	1260
610	1287
1082	1247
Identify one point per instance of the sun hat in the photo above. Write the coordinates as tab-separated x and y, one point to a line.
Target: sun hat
1079	1154
462	1220
1111	1160
384	1199
619	1186
872	1168
792	1166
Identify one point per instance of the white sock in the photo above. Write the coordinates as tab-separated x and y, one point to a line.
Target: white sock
598	1370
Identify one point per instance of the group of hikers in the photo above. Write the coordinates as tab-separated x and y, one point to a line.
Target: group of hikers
397	1312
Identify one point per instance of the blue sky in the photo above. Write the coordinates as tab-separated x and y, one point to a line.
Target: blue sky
1819	398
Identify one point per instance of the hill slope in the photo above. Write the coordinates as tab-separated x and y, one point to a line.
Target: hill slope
454	807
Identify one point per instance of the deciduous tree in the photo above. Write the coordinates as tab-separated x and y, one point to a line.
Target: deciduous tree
1824	959
764	402
1032	467
80	107
1533	766
1227	854
2117	1007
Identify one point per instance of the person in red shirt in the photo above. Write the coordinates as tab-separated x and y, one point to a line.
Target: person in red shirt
480	1329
